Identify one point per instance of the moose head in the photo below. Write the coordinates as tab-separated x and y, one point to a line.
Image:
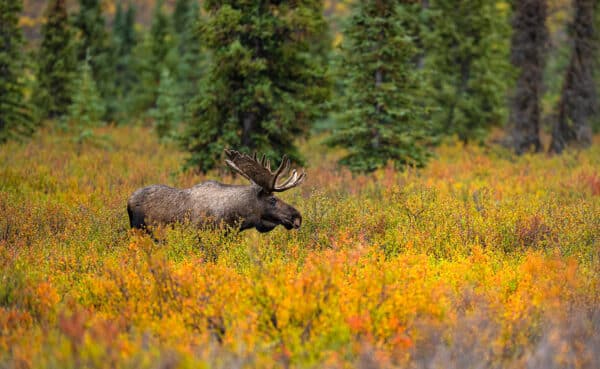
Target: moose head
270	210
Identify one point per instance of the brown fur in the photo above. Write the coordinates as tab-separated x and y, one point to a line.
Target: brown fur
211	203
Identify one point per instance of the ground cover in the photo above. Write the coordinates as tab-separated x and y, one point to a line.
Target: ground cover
480	260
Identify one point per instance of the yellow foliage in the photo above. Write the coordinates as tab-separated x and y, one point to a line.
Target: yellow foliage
479	259
25	21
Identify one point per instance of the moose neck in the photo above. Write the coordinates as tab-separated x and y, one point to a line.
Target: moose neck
247	208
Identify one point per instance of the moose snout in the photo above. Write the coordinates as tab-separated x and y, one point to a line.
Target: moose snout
297	222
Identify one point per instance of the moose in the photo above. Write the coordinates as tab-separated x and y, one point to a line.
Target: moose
214	203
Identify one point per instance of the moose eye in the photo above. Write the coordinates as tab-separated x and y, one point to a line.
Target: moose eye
272	201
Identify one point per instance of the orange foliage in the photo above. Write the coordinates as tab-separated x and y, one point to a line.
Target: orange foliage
475	260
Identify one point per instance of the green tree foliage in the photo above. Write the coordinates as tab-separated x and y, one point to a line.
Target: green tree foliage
467	46
93	37
163	42
321	40
168	112
87	108
56	63
191	60
380	119
578	105
596	122
94	43
528	54
156	51
181	15
124	42
264	87
15	114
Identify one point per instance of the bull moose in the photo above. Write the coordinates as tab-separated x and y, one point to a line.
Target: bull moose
214	203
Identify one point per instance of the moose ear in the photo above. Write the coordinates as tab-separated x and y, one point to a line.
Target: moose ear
261	191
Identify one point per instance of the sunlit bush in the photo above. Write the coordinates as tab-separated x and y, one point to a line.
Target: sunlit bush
478	260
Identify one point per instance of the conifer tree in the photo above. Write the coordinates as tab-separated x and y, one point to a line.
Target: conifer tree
596	122
161	35
320	43
191	61
118	20
87	108
124	42
467	50
264	88
92	35
93	43
155	53
168	113
15	113
578	104
181	15
528	54
381	121
56	63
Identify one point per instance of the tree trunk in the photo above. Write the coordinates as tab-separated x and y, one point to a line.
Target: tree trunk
577	104
528	54
461	88
376	141
420	58
247	129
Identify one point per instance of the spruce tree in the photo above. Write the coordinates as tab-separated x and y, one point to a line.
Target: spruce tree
528	55
578	102
380	119
124	42
264	87
596	122
118	20
56	63
93	42
87	108
15	113
93	36
168	112
154	53
161	35
191	61
181	15
467	54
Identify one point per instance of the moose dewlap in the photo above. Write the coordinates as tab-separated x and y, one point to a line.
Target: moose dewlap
214	203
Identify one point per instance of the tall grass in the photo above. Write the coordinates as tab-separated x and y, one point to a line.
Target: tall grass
480	260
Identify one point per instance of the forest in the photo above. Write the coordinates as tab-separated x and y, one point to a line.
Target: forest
450	213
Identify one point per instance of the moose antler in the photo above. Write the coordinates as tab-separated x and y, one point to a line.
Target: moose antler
259	171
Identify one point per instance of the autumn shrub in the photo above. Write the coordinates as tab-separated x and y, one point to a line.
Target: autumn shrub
480	259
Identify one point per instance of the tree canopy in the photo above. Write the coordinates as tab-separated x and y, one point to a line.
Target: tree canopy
264	87
381	118
15	112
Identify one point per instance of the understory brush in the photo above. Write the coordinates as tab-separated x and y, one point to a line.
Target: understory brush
480	260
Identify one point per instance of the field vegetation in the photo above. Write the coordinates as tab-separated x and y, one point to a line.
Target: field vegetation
480	260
